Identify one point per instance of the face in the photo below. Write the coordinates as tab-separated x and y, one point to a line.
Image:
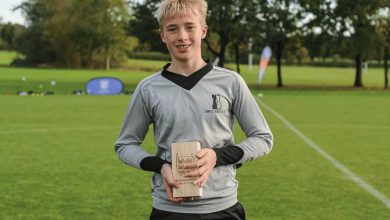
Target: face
183	34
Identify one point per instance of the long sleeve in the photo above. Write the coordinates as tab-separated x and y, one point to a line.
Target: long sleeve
228	155
259	139
135	127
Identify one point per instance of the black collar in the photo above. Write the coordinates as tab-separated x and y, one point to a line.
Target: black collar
186	82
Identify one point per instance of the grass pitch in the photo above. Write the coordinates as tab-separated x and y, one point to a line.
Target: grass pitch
57	159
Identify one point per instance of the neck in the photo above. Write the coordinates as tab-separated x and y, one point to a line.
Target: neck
186	68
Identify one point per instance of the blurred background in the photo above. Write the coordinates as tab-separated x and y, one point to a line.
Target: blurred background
105	34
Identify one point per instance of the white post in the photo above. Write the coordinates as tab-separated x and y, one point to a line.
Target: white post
250	56
365	67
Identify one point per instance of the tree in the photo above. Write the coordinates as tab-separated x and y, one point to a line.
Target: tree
144	25
98	30
295	51
359	22
8	34
74	33
281	19
232	22
321	35
36	43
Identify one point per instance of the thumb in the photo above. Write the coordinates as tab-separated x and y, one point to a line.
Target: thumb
171	182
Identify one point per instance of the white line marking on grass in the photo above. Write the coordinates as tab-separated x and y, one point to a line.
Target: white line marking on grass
355	178
345	126
373	126
38	130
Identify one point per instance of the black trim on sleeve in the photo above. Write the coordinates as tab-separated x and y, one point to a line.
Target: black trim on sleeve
117	147
152	163
228	155
186	82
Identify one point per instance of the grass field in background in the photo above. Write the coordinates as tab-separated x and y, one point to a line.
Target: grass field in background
57	158
6	57
134	71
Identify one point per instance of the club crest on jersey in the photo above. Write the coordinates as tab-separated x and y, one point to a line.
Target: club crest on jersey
216	106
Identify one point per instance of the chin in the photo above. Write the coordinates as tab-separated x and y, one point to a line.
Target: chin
184	58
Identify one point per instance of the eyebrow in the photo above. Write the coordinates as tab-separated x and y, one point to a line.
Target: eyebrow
175	25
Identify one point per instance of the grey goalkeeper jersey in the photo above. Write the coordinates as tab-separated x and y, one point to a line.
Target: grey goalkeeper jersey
200	107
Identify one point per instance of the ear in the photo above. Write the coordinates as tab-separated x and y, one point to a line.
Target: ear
204	31
162	36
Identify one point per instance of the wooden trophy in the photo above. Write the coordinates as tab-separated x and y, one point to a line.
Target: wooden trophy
185	153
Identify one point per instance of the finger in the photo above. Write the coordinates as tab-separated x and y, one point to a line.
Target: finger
176	200
188	198
202	179
188	165
171	182
168	189
201	162
194	173
202	153
174	184
197	173
169	192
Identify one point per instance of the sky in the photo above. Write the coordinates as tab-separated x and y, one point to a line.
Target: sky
6	13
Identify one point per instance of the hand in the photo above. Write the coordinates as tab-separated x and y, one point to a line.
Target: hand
207	160
169	182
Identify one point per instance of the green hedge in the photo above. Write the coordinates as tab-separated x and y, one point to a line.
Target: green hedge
244	60
149	56
315	63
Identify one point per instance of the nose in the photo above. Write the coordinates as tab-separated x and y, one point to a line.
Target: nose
182	35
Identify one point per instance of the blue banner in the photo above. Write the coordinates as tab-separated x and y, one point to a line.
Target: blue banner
105	86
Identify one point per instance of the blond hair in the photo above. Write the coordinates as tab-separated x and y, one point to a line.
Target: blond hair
169	8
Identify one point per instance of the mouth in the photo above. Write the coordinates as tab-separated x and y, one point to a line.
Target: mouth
183	46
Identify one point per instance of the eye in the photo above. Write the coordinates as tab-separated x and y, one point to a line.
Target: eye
190	28
171	29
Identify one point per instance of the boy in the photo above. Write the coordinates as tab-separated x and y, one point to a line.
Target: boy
189	100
